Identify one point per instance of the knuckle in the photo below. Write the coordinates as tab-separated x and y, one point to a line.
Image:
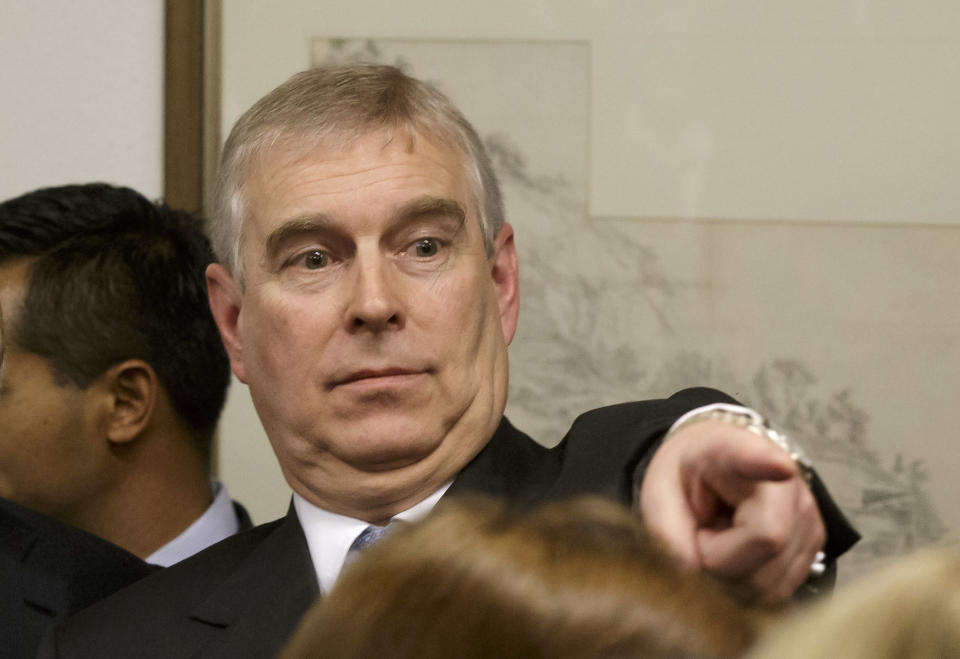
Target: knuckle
772	540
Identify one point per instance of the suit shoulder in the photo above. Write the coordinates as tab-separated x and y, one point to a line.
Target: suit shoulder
611	421
142	613
601	451
200	571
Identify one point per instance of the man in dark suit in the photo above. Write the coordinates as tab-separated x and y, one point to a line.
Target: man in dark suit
114	374
366	293
49	570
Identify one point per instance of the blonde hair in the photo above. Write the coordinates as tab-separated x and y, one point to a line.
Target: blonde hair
909	608
342	102
569	580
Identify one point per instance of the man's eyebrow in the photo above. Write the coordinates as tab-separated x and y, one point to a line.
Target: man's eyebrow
427	205
293	229
419	207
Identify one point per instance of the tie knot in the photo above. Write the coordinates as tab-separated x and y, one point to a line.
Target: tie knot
367	537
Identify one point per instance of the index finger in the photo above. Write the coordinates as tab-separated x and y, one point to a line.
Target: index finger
738	461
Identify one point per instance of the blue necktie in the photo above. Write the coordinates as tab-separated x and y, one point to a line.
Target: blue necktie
367	537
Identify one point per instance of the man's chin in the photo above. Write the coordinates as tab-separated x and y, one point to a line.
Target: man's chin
385	449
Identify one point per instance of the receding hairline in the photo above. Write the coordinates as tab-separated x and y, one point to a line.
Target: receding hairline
295	143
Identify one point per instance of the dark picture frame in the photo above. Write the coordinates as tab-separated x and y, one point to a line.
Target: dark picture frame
191	101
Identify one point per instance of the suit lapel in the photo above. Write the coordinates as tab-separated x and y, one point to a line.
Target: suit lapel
259	606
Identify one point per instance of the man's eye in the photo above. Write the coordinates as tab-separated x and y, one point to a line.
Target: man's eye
316	259
426	247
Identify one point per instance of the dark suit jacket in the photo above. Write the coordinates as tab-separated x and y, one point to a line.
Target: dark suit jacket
244	596
49	570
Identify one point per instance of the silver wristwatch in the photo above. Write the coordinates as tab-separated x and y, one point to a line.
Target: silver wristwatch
750	420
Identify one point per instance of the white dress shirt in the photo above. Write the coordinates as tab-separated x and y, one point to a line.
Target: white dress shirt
329	535
219	521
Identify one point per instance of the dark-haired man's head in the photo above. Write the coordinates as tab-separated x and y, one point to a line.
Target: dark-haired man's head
114	375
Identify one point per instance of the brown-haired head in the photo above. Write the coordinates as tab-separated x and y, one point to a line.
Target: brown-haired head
574	579
909	607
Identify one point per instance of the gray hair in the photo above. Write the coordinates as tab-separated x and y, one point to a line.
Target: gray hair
350	99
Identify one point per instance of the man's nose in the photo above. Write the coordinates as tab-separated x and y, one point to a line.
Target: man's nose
376	301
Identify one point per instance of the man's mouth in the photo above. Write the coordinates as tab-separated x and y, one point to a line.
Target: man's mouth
377	375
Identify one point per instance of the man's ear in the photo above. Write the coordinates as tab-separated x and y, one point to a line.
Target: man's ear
225	299
506	280
128	391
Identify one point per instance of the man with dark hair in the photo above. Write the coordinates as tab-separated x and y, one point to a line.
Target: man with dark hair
367	291
114	375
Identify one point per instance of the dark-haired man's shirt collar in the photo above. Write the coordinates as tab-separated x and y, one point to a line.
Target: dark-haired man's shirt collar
219	521
329	535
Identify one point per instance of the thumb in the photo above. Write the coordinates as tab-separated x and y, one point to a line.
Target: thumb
668	516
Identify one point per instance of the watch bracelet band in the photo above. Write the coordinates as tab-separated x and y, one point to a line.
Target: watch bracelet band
756	424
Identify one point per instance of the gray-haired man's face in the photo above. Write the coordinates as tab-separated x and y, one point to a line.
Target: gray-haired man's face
373	327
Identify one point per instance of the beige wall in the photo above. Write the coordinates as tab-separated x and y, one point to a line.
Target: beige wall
82	94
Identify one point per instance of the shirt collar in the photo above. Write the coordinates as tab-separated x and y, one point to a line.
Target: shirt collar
330	535
218	521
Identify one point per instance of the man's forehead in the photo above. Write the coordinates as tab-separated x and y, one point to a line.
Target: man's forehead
289	168
14	276
296	149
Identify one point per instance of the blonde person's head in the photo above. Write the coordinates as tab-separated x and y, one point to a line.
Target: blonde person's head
909	608
476	579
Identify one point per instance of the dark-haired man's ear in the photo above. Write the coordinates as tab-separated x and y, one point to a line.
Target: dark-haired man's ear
130	391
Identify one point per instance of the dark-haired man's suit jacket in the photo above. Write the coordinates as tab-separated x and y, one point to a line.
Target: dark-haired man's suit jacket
49	570
244	596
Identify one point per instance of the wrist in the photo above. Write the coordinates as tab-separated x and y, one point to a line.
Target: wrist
752	421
